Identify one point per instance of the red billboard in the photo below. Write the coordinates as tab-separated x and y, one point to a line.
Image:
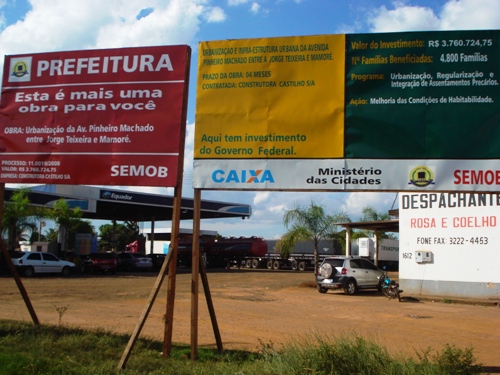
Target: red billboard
96	117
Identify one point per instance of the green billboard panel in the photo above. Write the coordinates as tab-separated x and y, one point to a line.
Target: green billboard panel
423	95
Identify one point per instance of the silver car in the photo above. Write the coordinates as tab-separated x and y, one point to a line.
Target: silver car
347	273
35	262
130	261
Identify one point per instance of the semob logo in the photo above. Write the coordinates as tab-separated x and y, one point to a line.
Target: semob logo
20	69
246	176
139	171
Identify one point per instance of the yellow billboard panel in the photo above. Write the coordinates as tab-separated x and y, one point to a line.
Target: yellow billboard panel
271	98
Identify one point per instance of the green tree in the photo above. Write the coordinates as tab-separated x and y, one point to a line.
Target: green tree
69	222
19	218
370	214
116	236
51	235
310	223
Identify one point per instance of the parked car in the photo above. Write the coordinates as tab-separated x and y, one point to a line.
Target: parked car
157	260
100	262
134	261
31	263
348	273
4	269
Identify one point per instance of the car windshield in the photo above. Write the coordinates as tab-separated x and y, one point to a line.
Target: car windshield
335	262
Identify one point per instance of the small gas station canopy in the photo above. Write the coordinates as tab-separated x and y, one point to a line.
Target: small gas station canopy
383	225
124	205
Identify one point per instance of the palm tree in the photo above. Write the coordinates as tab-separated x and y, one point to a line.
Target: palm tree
310	223
66	218
370	214
19	218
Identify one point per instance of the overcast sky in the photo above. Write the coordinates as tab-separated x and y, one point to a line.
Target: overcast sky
57	25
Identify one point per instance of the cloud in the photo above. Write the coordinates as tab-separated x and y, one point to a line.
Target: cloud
215	14
404	18
454	15
53	25
261	197
254	8
356	202
236	2
470	14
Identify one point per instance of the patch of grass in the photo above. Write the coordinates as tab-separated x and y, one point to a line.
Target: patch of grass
446	300
25	349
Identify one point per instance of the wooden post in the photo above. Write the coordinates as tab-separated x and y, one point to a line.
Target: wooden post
172	274
210	305
176	218
12	269
145	313
195	269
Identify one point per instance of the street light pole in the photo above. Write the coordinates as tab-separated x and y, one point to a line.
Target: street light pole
42	224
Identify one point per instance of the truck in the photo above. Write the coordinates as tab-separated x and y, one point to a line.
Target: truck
301	259
253	252
388	251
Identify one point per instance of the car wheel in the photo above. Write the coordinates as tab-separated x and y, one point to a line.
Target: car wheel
65	271
302	266
29	271
269	264
276	265
294	265
321	289
350	288
255	263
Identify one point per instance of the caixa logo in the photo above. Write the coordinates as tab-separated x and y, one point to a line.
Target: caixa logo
245	176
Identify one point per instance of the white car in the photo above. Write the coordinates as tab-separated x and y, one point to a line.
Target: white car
35	262
348	273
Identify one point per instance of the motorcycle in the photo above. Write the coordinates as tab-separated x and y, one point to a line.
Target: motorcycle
389	287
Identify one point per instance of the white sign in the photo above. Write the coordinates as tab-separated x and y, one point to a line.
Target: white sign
450	237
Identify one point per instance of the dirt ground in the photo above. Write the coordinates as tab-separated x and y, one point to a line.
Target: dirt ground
256	307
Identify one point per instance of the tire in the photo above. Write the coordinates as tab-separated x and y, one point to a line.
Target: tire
387	292
276	265
65	271
294	265
321	289
269	265
255	263
390	292
28	272
350	288
326	270
302	266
